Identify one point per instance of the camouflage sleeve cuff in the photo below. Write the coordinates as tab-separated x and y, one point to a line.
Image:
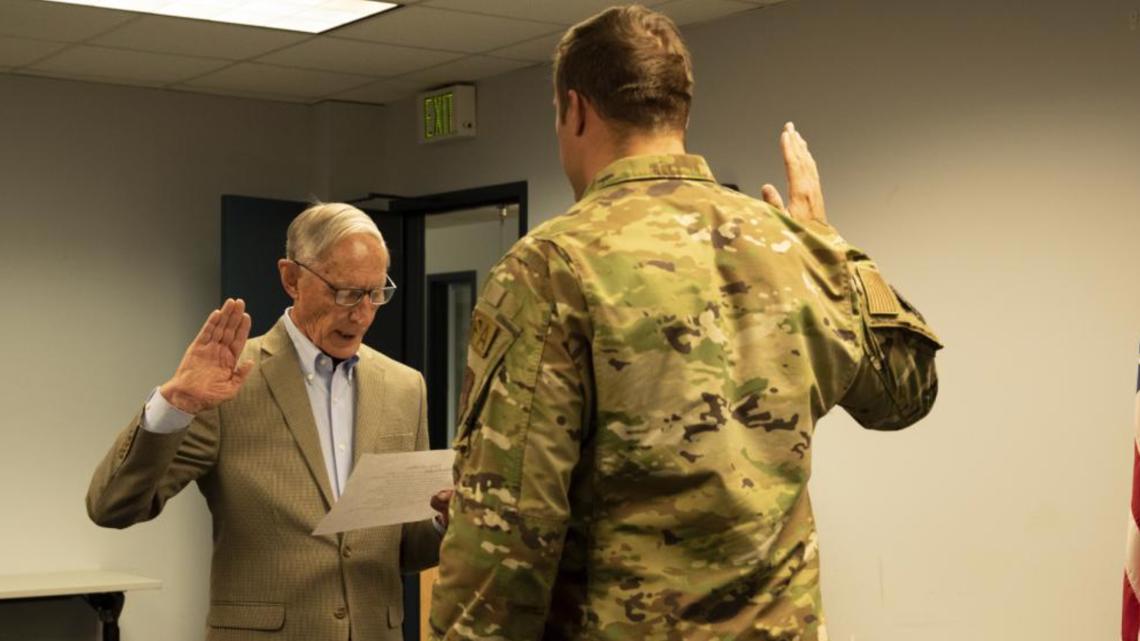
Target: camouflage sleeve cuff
497	569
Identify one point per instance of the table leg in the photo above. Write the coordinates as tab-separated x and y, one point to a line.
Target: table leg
108	605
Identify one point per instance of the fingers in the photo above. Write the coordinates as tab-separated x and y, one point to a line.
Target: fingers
789	147
440	500
790	142
242	334
807	161
804	161
805	196
217	322
233	313
792	163
772	196
228	325
206	334
235	339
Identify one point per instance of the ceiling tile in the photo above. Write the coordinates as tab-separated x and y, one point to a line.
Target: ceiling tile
420	44
563	12
237	93
444	30
356	56
123	65
51	21
379	92
279	81
464	70
17	52
197	38
693	11
537	50
105	80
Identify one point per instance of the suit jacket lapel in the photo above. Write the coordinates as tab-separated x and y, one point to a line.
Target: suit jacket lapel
282	371
370	395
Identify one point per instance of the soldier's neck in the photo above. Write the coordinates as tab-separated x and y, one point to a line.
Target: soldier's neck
650	144
609	148
635	145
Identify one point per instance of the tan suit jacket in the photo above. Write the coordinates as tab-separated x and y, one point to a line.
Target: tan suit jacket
258	461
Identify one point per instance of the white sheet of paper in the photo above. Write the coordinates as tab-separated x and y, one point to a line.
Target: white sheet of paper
386	489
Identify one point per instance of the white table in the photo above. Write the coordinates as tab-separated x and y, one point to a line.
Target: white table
102	589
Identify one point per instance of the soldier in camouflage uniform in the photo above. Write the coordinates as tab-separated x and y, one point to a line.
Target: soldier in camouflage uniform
644	376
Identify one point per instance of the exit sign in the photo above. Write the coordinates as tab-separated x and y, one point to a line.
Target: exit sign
447	113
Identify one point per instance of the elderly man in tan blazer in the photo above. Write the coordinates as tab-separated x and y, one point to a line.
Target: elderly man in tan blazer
269	430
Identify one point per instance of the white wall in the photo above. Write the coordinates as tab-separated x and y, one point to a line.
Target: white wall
987	154
468	240
109	262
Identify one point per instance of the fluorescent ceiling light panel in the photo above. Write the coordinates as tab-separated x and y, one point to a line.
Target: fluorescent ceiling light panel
309	16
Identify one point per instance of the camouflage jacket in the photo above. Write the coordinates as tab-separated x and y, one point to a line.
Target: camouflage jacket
644	376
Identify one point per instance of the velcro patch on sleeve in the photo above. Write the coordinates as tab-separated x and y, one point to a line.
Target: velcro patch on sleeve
881	300
494	293
483	333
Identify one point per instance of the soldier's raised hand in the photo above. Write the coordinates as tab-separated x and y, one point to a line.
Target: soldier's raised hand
209	373
805	194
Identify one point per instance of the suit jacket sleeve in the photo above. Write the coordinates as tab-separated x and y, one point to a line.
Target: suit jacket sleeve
143	469
419	542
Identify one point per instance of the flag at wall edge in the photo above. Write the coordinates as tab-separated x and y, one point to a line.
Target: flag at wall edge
1130	614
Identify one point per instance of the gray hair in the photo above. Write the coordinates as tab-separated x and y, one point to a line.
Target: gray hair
320	226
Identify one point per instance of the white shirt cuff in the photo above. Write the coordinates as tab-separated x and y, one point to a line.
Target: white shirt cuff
161	417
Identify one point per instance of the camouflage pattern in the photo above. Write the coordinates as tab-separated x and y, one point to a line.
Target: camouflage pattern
645	373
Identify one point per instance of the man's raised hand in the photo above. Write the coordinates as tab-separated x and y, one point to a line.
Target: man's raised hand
209	373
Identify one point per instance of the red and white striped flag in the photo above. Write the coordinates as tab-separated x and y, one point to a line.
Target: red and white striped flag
1130	616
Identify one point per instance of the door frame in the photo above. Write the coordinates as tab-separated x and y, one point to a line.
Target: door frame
438	321
414	211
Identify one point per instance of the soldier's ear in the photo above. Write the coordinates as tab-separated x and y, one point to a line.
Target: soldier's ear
576	106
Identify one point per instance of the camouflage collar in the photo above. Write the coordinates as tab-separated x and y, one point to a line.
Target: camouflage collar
685	167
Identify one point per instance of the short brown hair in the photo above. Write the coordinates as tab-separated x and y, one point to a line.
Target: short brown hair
631	63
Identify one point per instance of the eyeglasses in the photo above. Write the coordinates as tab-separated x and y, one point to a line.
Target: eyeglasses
352	297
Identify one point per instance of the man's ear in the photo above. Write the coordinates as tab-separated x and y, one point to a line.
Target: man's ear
576	106
289	273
